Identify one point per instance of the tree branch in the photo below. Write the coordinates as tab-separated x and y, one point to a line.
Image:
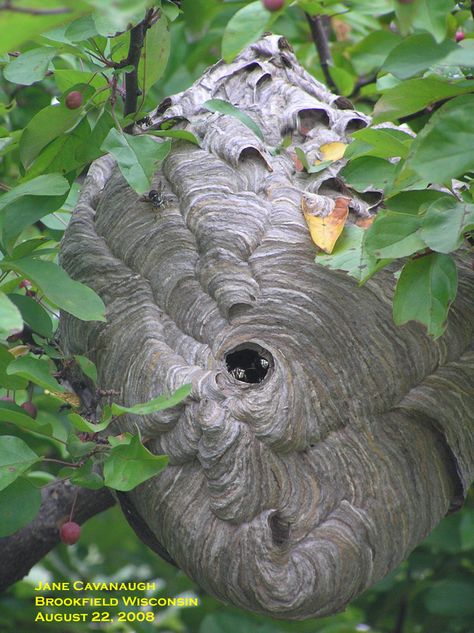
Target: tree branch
320	39
20	551
137	40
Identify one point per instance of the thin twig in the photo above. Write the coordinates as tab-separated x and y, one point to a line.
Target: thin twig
60	461
73	506
363	81
320	39
401	615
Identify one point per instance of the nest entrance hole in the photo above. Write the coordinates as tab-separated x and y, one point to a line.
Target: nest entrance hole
248	363
280	530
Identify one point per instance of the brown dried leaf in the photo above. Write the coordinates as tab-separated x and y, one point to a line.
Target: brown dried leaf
341	29
296	162
364	223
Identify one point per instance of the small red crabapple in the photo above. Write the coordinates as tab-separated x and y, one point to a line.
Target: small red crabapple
459	36
70	532
74	100
273	5
30	409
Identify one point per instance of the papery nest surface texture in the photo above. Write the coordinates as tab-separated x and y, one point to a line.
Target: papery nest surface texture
320	442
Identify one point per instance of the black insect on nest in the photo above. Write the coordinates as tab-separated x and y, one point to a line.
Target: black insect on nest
247	365
156	197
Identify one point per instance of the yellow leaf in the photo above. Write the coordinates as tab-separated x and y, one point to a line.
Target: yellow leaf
19	350
333	151
326	230
67	397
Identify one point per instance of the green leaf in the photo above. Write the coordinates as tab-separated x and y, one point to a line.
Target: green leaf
446	536
443	148
184	135
425	290
18	28
245	27
19	504
170	10
69	295
119	440
11	321
81	29
47	185
311	169
112	17
87	366
370	53
462	56
432	16
86	477
224	107
15	458
414	95
466	529
129	465
351	255
368	173
33	314
416	54
83	425
450	598
34	370
444	224
157	404
155	54
415	201
136	157
74	150
13	414
30	66
344	80
29	246
78	448
199	13
69	152
26	210
381	143
9	382
394	235
44	127
67	79
221	622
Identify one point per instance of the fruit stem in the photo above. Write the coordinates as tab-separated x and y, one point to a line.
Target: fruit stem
73	506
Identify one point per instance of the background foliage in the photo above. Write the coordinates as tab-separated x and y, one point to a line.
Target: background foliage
409	62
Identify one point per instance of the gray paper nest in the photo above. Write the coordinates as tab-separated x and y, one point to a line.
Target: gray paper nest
320	443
